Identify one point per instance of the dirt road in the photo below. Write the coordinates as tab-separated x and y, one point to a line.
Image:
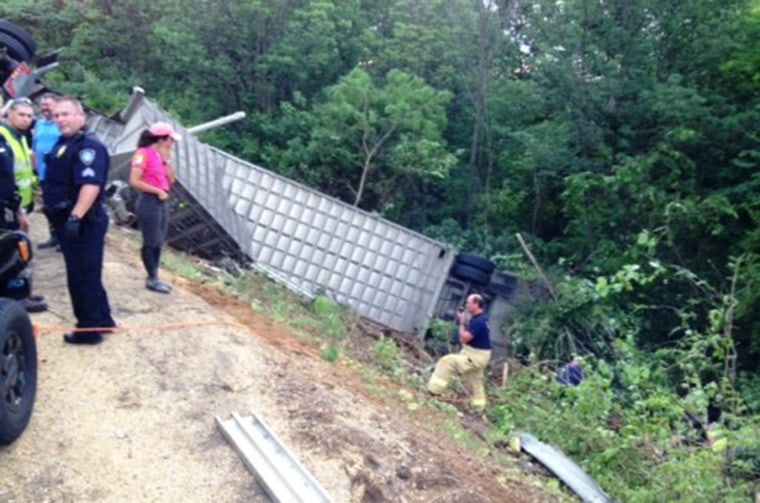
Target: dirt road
133	419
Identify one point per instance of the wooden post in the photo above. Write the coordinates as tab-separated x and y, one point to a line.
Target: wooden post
535	264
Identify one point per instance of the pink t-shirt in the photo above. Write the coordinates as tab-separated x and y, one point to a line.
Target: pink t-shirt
154	171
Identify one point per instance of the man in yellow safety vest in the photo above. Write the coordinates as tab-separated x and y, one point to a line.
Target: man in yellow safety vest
19	117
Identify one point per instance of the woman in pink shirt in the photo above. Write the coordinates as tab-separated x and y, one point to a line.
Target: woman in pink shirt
153	176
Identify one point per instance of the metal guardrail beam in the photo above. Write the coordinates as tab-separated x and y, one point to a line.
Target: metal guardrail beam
277	469
565	469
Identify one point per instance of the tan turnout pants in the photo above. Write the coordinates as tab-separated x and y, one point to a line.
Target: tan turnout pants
468	364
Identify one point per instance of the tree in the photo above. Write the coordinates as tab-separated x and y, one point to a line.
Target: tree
373	137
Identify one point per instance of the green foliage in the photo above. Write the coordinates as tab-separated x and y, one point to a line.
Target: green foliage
627	428
440	335
330	352
336	324
369	138
386	354
329	314
743	67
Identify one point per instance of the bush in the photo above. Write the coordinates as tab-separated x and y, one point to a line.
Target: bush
630	438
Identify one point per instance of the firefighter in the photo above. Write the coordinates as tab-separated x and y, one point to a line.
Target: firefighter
471	361
73	196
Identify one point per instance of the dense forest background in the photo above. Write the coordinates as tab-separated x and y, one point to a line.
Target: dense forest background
618	137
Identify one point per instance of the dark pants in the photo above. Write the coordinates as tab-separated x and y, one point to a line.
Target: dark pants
153	216
51	228
84	269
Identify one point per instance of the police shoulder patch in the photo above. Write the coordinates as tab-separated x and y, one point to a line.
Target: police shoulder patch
87	155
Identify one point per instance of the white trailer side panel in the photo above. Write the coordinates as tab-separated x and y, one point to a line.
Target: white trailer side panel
315	243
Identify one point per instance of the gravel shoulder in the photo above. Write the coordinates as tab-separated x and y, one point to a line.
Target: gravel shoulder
133	419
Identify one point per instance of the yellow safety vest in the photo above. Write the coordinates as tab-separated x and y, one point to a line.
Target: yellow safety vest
22	164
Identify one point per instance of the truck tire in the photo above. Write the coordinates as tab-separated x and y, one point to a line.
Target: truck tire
24	42
18	370
476	261
472	274
14	48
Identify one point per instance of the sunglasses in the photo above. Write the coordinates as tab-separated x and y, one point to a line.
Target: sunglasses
20	101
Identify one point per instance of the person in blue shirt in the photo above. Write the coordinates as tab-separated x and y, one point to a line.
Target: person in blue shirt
73	196
44	135
471	362
571	374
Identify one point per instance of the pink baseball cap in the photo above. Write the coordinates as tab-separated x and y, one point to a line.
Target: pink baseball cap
164	129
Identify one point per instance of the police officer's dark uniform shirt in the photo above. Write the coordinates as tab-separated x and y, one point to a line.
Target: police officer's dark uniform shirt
79	160
481	335
9	198
73	162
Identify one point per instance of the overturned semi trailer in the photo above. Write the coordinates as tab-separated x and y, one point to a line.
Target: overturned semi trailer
311	242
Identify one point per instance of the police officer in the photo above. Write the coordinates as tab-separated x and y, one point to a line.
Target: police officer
73	195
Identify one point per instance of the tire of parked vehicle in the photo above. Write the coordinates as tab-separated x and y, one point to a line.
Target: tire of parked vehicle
476	261
472	274
18	370
23	43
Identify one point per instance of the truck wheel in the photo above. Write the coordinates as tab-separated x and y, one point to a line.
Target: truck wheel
14	48
23	43
18	370
476	261
472	274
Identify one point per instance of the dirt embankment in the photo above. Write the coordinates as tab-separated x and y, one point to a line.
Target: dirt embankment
133	419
